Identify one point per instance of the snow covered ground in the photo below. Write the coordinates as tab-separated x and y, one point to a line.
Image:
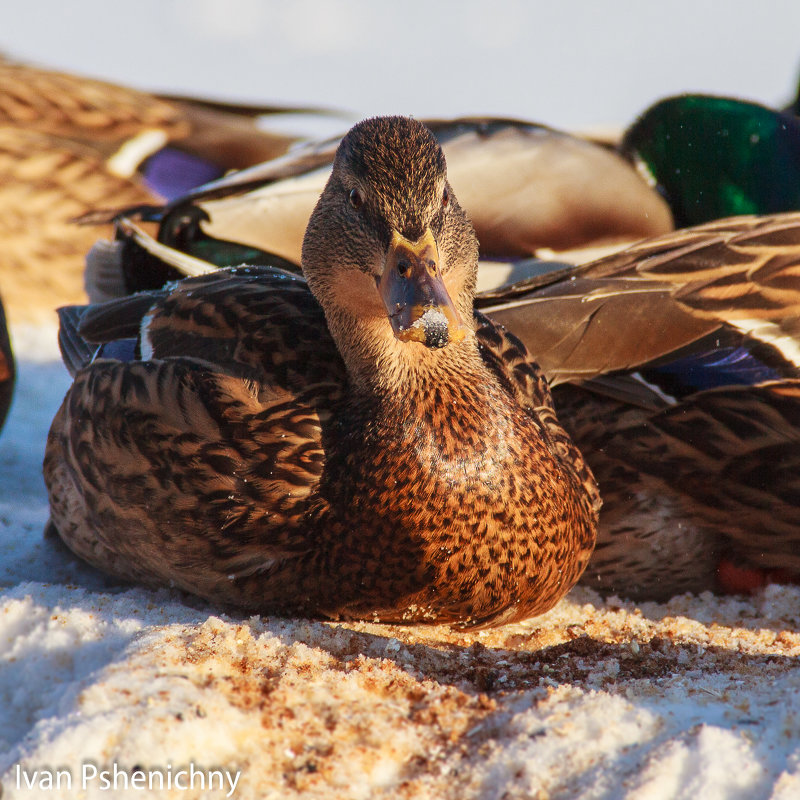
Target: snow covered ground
104	687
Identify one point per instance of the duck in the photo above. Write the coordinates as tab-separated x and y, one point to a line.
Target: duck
71	145
712	157
674	367
529	190
679	308
356	443
533	193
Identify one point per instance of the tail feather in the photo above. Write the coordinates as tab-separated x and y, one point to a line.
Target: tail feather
76	352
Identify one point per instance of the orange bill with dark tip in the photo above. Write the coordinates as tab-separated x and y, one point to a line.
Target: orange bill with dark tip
419	306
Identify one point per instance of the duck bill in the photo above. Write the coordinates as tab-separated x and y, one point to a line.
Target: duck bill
419	306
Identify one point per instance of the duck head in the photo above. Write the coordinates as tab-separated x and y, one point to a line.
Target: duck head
388	252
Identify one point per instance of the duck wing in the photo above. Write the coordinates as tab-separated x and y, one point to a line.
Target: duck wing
731	283
675	367
139	134
213	419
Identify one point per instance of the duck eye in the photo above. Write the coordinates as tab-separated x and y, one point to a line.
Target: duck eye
356	200
445	197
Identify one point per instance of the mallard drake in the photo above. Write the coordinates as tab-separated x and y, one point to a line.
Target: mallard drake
360	446
70	145
527	188
714	157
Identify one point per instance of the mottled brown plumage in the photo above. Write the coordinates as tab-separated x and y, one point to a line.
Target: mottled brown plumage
350	457
734	278
701	482
70	145
676	370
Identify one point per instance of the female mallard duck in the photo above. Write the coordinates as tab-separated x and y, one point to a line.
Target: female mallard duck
70	145
358	447
676	370
675	367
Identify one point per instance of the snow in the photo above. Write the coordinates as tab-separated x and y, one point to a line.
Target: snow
598	699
